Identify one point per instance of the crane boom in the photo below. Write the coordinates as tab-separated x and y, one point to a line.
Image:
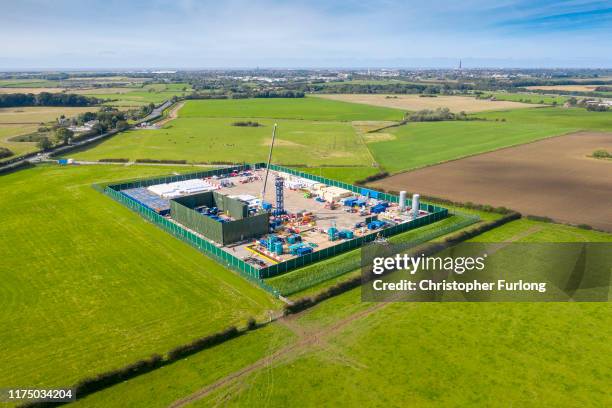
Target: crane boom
263	191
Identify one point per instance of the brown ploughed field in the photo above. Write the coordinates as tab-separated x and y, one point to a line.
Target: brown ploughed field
552	177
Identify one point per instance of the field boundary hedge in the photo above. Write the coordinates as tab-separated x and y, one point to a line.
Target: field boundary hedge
468	204
108	379
145	365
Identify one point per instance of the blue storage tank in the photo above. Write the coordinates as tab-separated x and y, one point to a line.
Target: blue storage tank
332	233
346	234
278	248
292	239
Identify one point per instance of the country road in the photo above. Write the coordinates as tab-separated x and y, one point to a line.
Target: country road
40	157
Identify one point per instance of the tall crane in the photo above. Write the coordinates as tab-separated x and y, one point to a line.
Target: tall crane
263	191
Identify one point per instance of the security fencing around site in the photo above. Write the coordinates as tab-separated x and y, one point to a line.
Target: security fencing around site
248	271
245	269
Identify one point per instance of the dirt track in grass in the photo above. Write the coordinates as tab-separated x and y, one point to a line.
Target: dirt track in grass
552	177
306	340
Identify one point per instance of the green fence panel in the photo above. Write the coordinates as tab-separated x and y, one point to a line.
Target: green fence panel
249	271
238	265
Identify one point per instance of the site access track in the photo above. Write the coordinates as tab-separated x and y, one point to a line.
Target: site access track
306	339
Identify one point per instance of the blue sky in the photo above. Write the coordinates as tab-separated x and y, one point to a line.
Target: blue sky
237	33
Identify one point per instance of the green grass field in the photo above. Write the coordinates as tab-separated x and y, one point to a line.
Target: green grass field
18	148
191	372
28	83
422	144
215	139
408	354
318	135
87	285
443	355
138	96
311	131
578	118
309	108
425	143
536	231
23	120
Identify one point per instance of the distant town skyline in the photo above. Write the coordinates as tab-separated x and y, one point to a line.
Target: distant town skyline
190	34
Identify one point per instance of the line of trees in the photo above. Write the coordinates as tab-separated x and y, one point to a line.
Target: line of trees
106	119
438	114
46	99
392	88
244	94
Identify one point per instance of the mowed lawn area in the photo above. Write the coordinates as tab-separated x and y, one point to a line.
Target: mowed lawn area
425	143
87	285
311	131
408	354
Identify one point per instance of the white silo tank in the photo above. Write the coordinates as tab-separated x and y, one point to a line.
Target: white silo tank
416	204
402	201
